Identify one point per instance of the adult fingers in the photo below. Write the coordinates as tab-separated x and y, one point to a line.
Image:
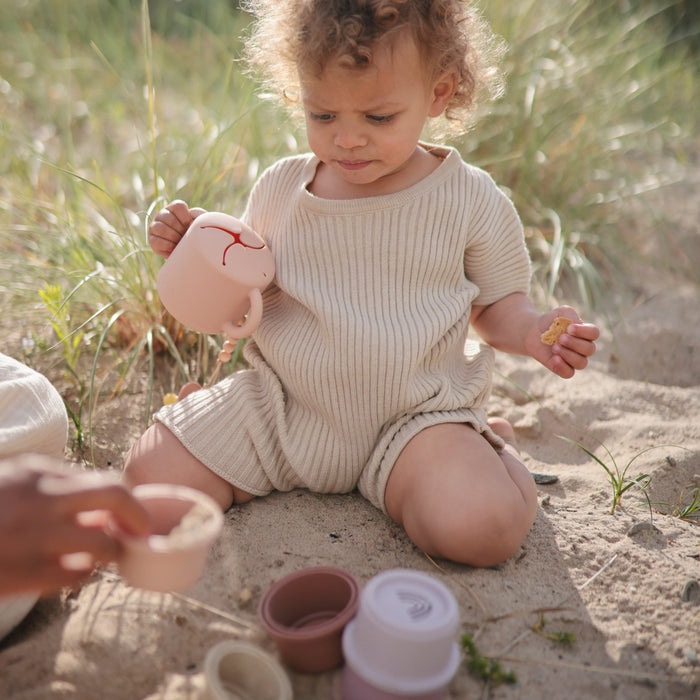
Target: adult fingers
86	492
72	539
45	579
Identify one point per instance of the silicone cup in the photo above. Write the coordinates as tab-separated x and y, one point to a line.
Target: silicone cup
305	613
164	562
402	643
234	669
215	276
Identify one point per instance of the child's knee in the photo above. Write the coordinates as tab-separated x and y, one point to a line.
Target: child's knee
141	461
475	533
158	456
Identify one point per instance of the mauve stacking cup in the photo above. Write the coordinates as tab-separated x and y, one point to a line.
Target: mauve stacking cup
306	612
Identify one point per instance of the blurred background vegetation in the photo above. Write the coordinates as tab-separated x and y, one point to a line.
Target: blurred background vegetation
112	107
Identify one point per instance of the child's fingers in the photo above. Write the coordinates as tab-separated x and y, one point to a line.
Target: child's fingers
574	359
576	344
167	225
162	239
587	331
181	213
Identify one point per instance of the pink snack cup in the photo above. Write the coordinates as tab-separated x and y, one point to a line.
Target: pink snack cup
214	278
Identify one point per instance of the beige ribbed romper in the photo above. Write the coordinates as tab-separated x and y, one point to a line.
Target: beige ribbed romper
362	342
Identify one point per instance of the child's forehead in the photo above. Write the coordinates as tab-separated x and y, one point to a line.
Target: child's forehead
390	55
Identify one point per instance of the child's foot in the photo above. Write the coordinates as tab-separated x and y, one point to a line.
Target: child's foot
504	430
187	389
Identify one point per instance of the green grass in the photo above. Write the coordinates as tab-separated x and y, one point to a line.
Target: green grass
484	667
596	99
110	110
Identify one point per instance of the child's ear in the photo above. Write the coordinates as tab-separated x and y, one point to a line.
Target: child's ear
443	91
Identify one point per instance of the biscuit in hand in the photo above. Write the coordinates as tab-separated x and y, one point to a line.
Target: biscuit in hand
559	326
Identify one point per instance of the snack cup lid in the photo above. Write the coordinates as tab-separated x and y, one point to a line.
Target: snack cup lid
411	603
403	639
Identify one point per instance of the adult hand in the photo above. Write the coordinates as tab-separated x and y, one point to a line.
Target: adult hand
53	523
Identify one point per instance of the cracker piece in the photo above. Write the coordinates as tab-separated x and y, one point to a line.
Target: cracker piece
559	326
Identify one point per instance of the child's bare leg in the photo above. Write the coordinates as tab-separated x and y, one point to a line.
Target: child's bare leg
457	498
158	456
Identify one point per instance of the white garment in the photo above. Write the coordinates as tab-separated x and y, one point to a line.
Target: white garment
33	418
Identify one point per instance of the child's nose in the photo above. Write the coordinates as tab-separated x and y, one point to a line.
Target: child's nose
349	137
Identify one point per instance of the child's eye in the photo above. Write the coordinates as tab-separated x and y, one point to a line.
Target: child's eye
380	118
320	117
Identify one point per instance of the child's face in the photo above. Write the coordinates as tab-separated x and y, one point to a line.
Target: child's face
364	124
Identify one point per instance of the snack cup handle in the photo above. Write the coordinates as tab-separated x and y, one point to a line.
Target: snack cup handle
252	322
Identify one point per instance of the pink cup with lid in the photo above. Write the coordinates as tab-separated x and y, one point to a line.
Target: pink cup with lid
213	280
403	641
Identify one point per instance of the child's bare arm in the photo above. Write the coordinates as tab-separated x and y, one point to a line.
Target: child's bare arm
169	226
513	325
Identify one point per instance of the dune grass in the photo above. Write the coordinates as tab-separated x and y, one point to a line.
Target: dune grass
114	108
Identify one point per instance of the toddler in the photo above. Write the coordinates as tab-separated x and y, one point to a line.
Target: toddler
386	250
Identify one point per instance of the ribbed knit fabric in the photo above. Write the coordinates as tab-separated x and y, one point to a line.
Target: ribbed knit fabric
362	342
33	417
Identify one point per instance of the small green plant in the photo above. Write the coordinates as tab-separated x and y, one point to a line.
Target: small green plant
483	667
689	510
685	511
564	638
68	338
619	480
70	341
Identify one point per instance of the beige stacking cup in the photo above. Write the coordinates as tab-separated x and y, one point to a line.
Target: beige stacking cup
236	670
184	524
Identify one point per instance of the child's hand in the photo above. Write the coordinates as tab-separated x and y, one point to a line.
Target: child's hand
573	348
169	226
54	523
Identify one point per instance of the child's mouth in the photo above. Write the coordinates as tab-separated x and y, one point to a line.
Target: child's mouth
353	164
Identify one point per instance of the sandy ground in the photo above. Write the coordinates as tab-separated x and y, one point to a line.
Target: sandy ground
625	592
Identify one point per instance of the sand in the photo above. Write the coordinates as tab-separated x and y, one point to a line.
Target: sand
624	591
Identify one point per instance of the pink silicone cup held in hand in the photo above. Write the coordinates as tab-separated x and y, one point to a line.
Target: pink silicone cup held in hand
215	276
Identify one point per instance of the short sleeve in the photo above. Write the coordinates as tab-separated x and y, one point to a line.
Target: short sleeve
496	258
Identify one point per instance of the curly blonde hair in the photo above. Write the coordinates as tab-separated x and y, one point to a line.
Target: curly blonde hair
290	38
